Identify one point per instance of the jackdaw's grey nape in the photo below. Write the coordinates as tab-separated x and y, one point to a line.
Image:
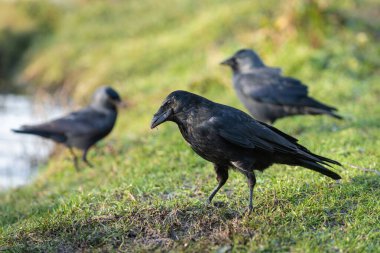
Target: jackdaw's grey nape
267	94
83	128
230	138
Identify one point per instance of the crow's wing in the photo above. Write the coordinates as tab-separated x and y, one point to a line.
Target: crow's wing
240	129
269	87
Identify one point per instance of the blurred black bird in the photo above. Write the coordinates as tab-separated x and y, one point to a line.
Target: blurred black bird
81	129
267	94
230	138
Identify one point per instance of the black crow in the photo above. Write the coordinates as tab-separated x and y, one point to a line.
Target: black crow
81	129
267	94
230	138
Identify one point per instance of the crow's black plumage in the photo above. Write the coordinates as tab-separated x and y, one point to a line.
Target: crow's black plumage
230	138
81	129
267	94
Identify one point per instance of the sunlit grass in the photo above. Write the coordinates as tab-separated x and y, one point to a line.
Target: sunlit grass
147	190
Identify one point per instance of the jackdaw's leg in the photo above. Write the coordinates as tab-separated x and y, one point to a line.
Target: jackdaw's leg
75	159
221	176
251	184
84	158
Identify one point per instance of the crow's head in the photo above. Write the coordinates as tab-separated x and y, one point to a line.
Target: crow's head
175	105
243	61
106	97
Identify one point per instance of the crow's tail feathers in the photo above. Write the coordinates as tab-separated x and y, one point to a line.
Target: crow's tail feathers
317	163
326	161
319	168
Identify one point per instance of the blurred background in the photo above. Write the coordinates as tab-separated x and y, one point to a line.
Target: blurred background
54	54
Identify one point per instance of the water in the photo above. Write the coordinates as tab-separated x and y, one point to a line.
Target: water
20	154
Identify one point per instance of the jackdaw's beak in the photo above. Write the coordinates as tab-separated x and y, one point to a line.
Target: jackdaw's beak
160	117
230	61
120	103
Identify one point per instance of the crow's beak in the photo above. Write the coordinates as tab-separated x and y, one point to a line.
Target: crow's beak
160	117
230	61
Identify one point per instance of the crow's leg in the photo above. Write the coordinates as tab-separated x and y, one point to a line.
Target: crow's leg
84	158
251	184
75	159
221	176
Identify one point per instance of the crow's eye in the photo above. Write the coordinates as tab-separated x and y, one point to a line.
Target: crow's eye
167	103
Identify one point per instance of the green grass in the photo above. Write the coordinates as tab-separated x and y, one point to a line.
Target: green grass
148	189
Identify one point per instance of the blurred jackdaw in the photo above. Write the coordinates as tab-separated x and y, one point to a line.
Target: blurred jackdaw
267	94
81	129
230	138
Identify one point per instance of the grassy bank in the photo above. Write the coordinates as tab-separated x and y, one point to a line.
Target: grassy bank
147	190
22	24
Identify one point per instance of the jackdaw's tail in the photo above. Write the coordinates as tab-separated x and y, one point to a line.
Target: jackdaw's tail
315	107
29	130
59	137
